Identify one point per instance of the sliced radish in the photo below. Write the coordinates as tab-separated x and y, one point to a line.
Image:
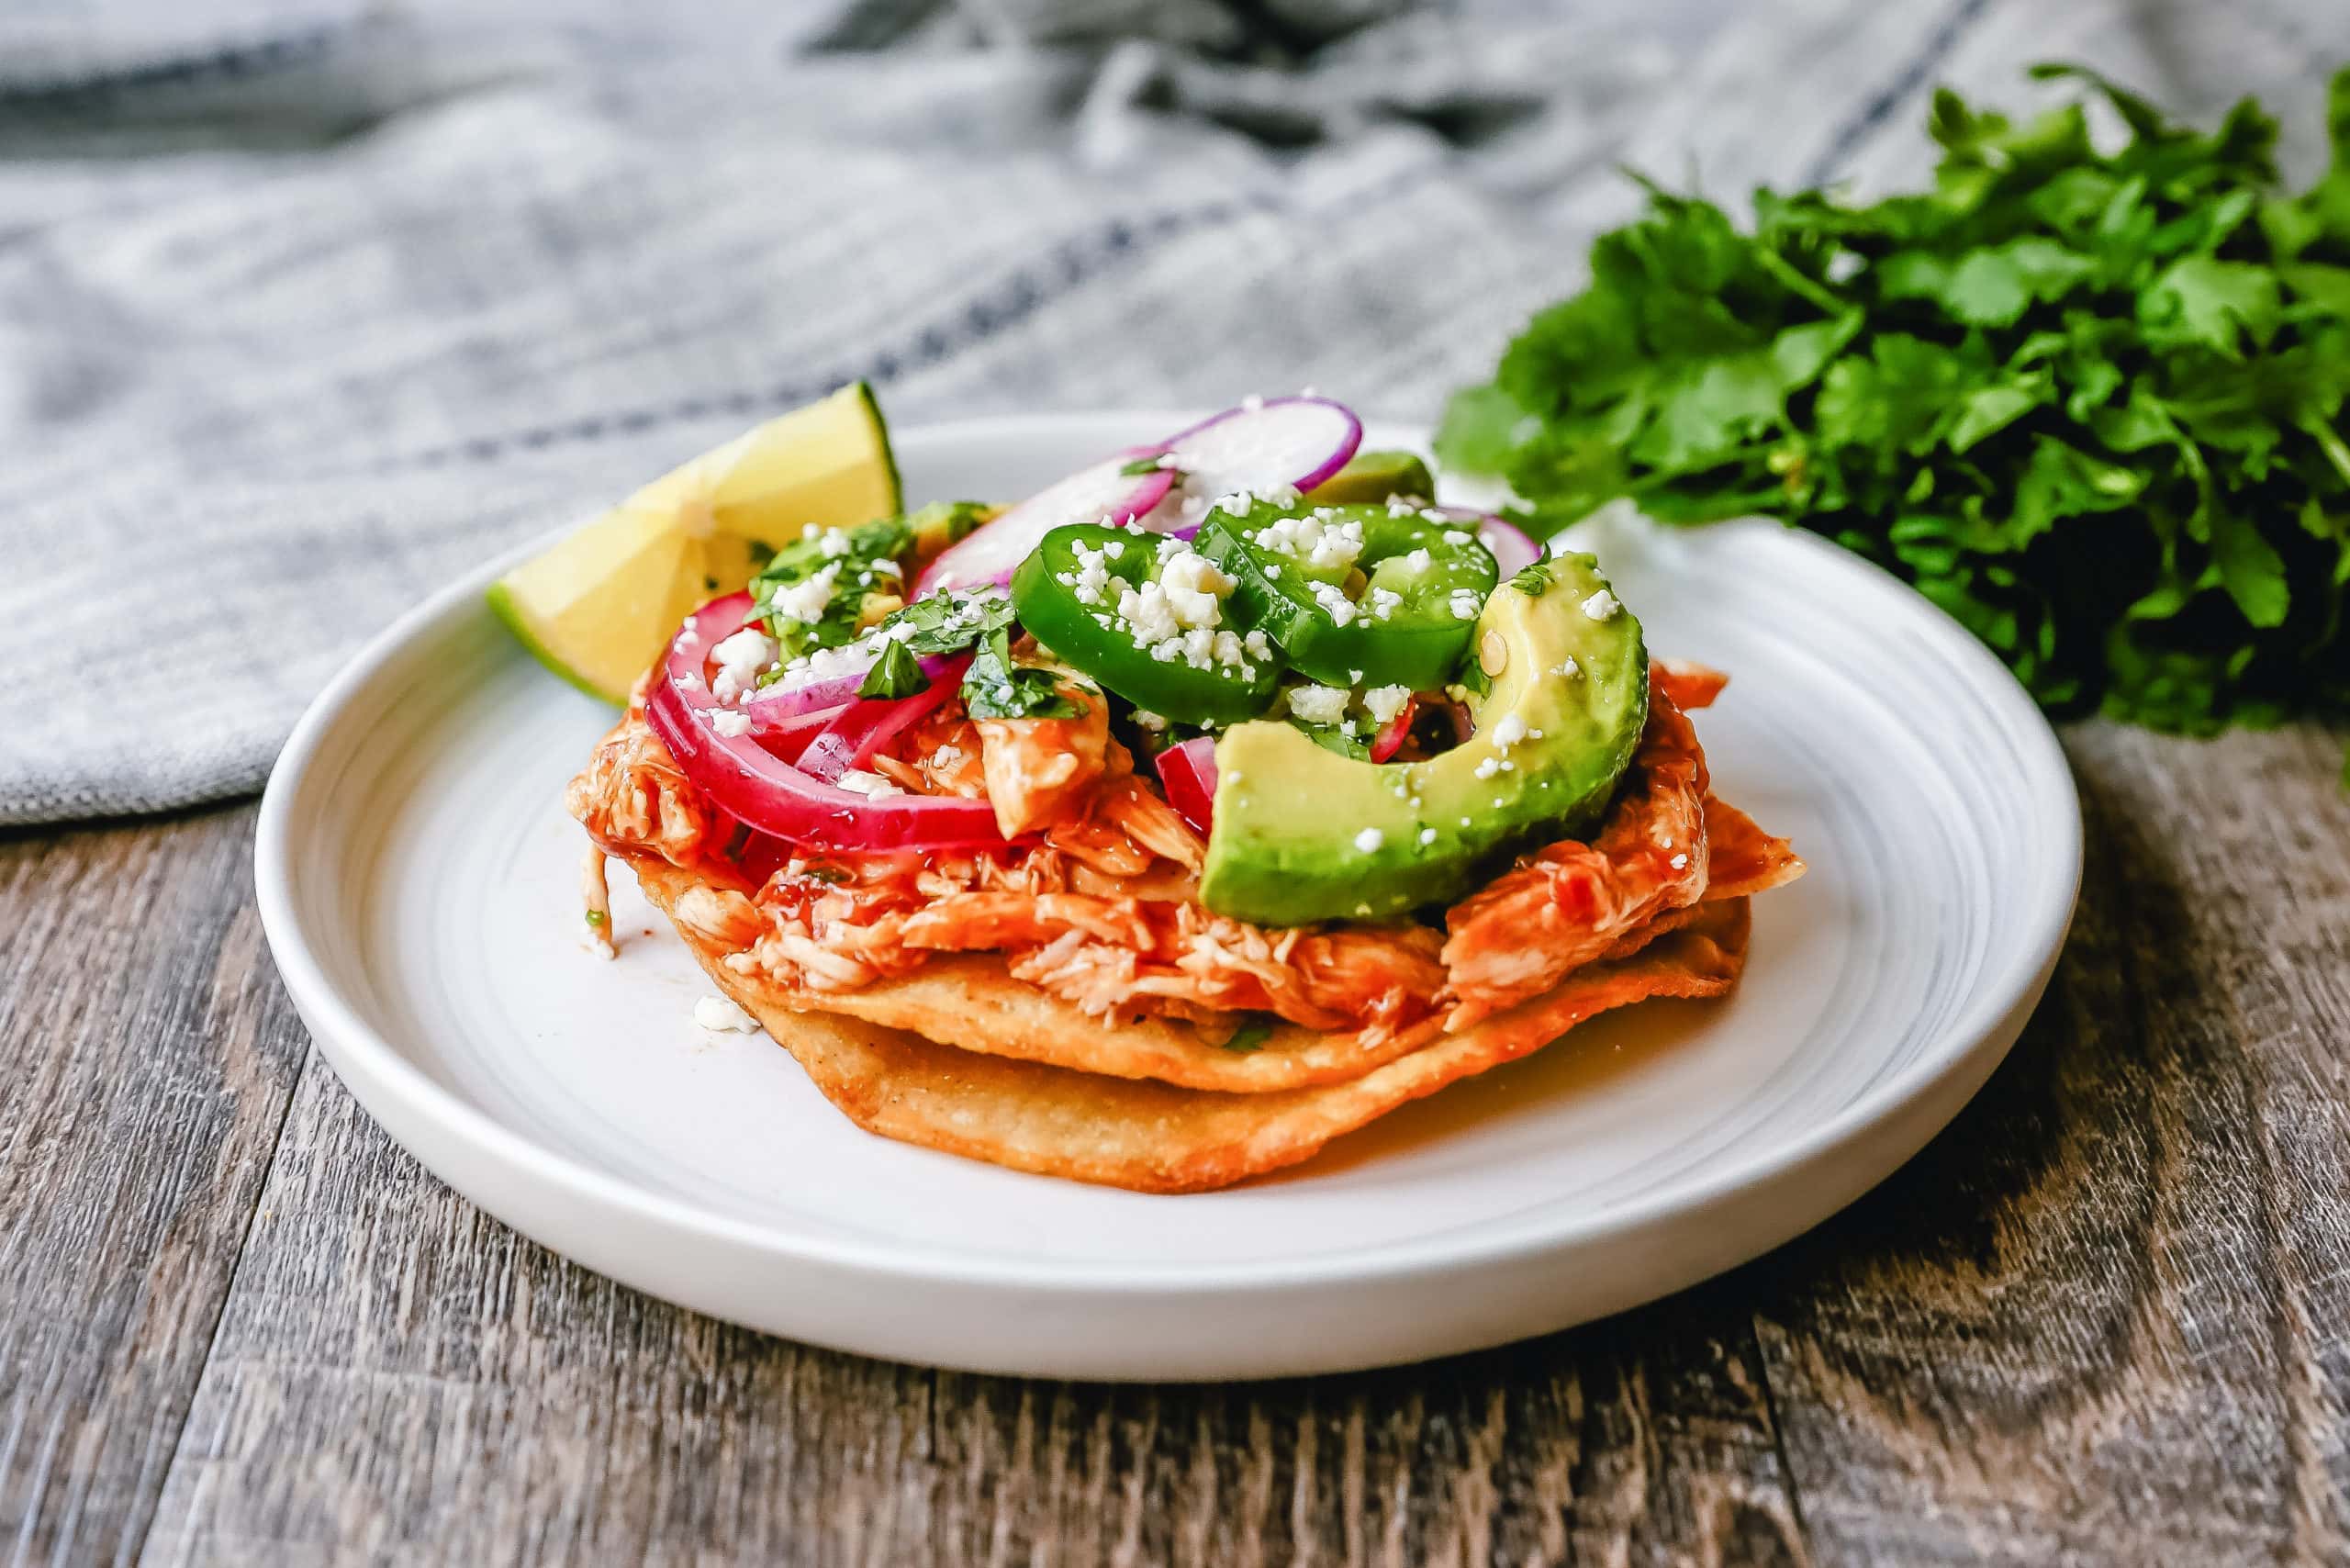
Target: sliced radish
1103	493
1262	446
1514	549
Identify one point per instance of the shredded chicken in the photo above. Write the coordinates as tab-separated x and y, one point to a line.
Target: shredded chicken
1685	685
1039	771
1562	906
1099	904
634	799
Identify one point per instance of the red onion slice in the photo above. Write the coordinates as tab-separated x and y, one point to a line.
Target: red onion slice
1187	772
861	730
1389	738
745	780
830	685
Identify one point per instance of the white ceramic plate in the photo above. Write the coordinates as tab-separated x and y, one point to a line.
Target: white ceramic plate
418	880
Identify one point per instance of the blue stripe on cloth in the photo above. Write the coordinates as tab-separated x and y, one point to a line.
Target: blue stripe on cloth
1878	106
227	62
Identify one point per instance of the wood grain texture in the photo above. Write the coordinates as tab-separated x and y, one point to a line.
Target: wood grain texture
399	1379
149	1054
2106	1318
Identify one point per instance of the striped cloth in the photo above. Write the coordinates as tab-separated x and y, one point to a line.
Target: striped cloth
307	305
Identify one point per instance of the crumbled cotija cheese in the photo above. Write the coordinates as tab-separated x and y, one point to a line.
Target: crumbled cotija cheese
1318	704
806	599
740	658
718	1015
1383	702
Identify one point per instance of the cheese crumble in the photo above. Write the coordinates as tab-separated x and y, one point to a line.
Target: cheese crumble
1383	702
805	600
1318	704
740	658
720	1015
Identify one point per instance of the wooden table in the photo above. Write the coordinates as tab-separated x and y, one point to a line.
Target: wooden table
2105	1318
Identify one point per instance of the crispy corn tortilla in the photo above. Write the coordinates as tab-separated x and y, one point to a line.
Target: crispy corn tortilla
972	1002
1156	1137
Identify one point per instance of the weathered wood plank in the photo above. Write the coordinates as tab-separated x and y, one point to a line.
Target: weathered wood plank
398	1378
1642	1440
2102	1320
150	1056
2106	1318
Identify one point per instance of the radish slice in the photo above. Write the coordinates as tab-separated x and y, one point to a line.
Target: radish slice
747	781
1297	441
1187	772
1103	493
863	728
1514	549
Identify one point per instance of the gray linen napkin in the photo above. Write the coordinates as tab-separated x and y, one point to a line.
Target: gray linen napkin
306	306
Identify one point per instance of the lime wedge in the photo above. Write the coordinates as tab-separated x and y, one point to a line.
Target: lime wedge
597	607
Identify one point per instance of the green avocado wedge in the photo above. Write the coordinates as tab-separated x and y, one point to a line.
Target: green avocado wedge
1371	476
1304	834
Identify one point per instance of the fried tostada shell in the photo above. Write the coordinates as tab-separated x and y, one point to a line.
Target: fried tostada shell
1158	1138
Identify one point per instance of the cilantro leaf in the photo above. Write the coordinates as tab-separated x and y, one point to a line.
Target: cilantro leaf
2089	399
995	688
949	623
814	592
896	672
1251	1037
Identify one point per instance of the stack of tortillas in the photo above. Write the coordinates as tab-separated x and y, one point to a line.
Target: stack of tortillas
958	1055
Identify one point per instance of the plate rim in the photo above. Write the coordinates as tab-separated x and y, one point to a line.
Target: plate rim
351	1044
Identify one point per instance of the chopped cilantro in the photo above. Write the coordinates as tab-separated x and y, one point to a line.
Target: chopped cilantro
1338	738
1140	466
812	592
895	673
1250	1036
995	688
1534	580
2092	402
949	623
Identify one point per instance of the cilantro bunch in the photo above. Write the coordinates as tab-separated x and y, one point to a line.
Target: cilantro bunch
2090	402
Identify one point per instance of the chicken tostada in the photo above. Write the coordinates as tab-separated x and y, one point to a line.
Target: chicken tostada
1201	808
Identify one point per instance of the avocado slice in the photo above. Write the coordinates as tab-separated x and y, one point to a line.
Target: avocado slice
1303	833
1372	477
